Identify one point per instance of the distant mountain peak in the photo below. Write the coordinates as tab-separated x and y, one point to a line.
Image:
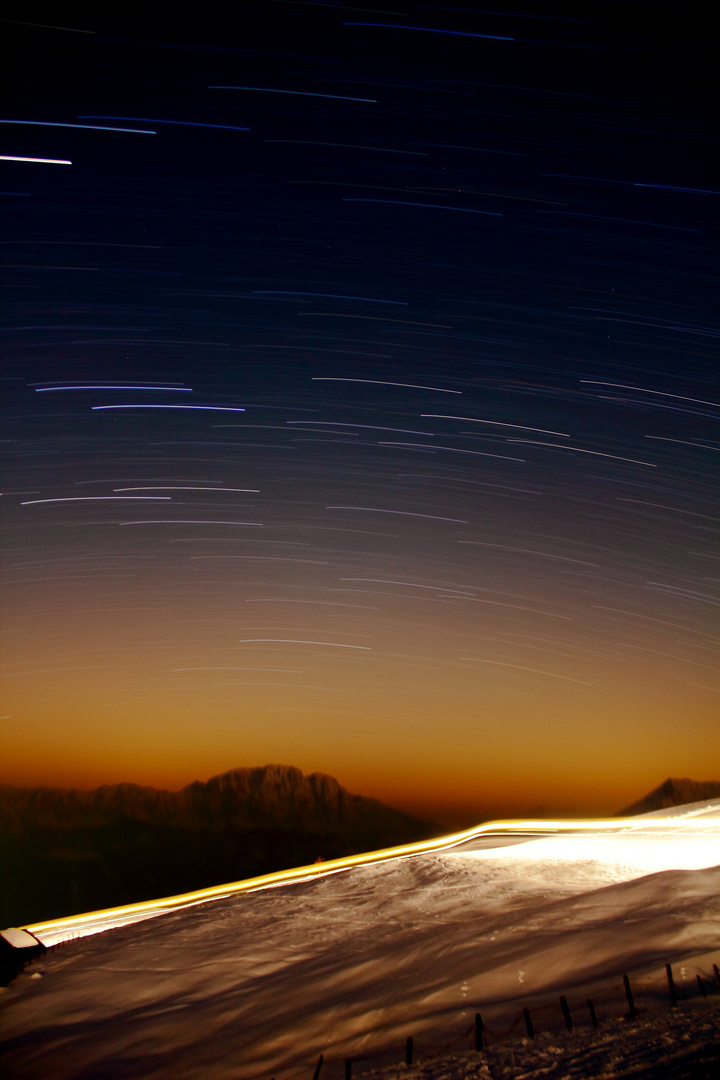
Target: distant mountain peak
68	851
675	791
266	796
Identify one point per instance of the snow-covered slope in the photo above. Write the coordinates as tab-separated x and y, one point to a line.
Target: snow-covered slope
259	984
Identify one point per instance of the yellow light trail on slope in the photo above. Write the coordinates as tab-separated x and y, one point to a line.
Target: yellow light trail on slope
55	930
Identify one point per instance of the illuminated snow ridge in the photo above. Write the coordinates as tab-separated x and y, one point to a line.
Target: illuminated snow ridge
635	846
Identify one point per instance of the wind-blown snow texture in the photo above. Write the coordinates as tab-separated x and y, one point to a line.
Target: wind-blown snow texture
351	964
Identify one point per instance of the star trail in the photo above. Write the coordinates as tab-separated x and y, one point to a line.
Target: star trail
508	608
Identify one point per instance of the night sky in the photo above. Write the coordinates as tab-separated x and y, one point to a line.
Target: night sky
361	398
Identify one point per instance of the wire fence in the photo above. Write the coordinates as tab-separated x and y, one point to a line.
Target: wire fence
624	999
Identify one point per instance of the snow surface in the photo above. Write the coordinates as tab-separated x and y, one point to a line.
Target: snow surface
350	964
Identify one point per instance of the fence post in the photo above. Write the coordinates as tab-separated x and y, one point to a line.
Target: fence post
529	1023
671	984
593	1017
701	987
566	1012
318	1067
479	1041
632	1013
409	1050
348	1068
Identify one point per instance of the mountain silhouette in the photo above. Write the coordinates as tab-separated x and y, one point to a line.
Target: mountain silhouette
69	851
673	792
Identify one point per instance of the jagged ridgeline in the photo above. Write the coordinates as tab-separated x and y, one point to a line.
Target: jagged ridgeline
66	851
673	792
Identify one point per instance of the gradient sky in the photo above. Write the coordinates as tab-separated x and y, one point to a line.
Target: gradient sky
361	399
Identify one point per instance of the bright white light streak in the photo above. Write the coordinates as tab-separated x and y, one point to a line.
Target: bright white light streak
493	423
286	671
519	667
36	160
664	506
343	146
211	408
703	598
257	558
169	487
400	513
44	671
327	296
382	382
319	603
189	521
529	551
282	686
519	607
657	393
156	120
429	30
50	26
579	450
372	318
89	127
295	93
101	498
367	427
94	922
667	656
114	386
411	585
684	442
648	618
107	384
452	450
302	641
425	206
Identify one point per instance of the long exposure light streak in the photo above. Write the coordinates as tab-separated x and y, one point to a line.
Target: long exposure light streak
56	930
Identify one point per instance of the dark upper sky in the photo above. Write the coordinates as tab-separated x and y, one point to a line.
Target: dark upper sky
361	397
